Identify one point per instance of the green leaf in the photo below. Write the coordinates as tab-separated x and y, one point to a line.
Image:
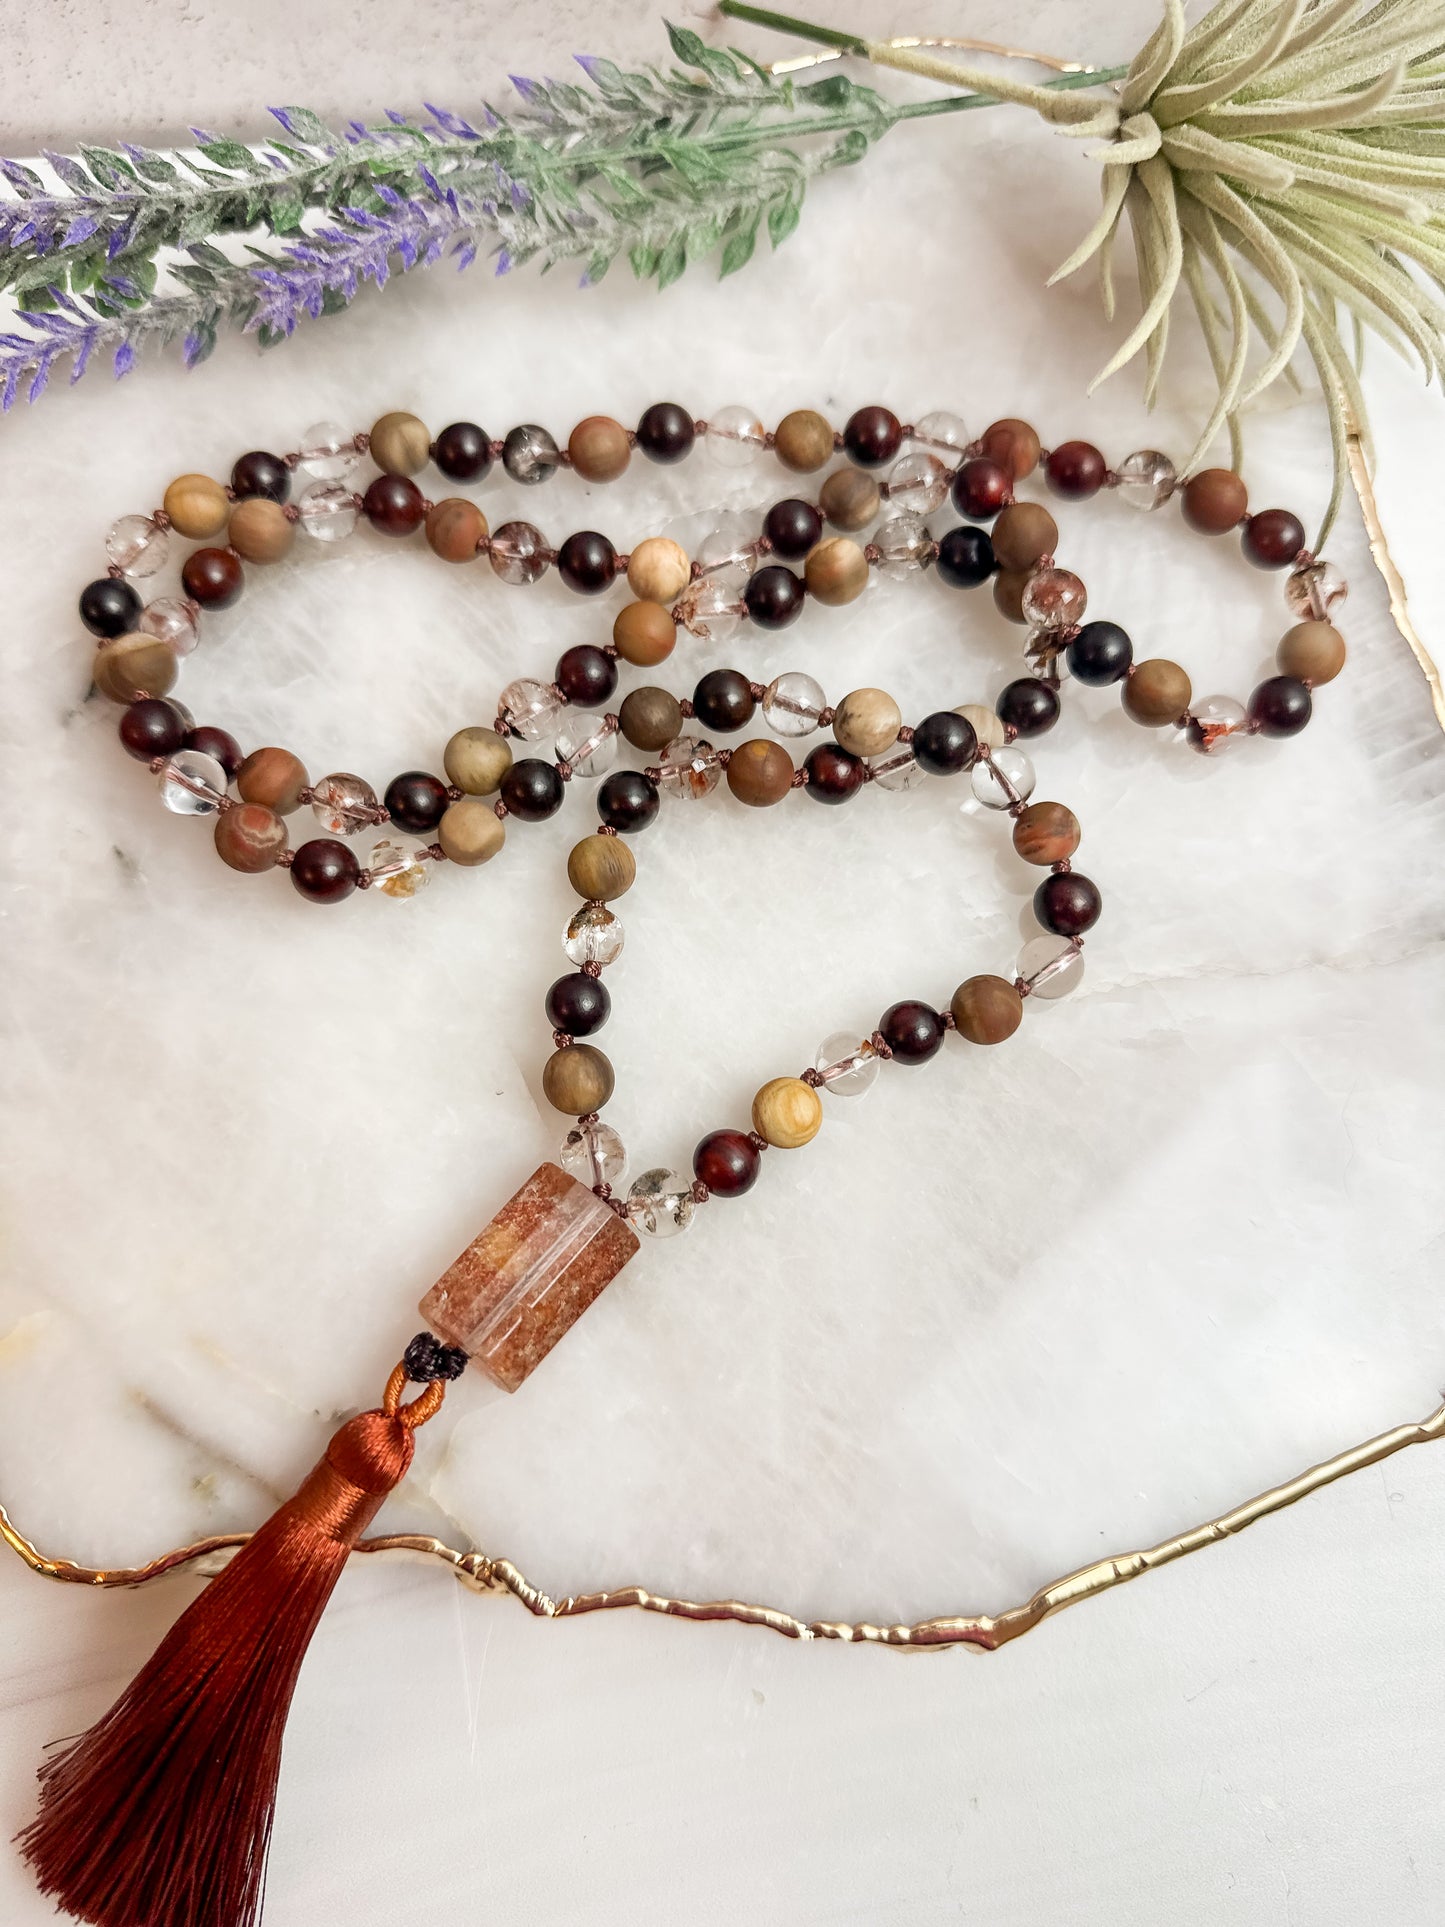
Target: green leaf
151	167
306	126
285	214
836	91
34	300
783	218
597	266
644	261
208	256
686	45
672	261
108	167
739	249
231	154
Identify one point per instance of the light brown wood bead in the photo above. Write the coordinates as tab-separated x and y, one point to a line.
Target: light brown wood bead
1214	501
599	449
1313	651
471	831
760	772
658	570
644	633
1013	444
198	507
836	572
985	722
454	526
273	777
249	838
134	666
986	1010
1046	833
788	1113
400	444
867	721
577	1079
1008	593
476	760
1157	692
1023	533
803	441
650	717
259	529
601	868
850	499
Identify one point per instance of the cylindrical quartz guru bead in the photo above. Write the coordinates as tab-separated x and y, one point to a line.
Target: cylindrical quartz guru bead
601	868
109	607
274	778
198	507
454	527
1281	706
666	432
463	452
1157	693
213	577
793	527
727	1162
249	838
393	505
1214	501
724	701
324	871
1013	444
1023	533
586	675
788	1113
587	562
219	743
912	1030
260	530
400	444
1067	903
849	499
1046	833
1099	654
627	801
650	718
986	1010
1028	706
261	473
1313	651
836	572
944	743
151	727
834	774
599	449
803	441
965	557
872	436
1076	470
774	597
415	801
1272	539
760	772
981	488
577	1080
644	634
578	1004
532	790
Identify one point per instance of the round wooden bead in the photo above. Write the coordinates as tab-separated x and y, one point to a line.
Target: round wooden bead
788	1113
213	577
599	449
601	868
1008	593
986	1010
454	527
836	572
867	721
259	529
1313	651
250	837
577	1079
274	778
198	507
1272	539
644	633
803	441
760	772
134	666
1023	533
987	725
1046	833
658	570
400	444
1214	501
476	760
1013	444
471	831
850	498
650	717
1157	693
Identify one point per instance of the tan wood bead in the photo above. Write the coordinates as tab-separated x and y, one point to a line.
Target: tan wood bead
249	838
599	448
273	777
1214	501
476	760
601	868
400	444
650	717
577	1079
658	570
260	530
760	772
836	572
644	633
1008	593
1046	833
1313	651
986	723
788	1113
1022	533
850	499
1157	692
803	441
134	666
867	721
1013	444
198	507
986	1010
454	527
471	831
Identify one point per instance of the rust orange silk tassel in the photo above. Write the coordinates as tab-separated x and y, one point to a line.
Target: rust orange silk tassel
160	1815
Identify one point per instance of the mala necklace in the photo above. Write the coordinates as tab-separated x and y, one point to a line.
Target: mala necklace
160	1816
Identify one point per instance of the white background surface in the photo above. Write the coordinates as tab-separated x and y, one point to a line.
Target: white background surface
1176	1241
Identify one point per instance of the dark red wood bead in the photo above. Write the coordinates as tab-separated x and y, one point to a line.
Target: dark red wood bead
627	801
213	577
109	607
586	675
219	743
793	527
873	436
944	743
774	597
151	727
1028	706
834	774
912	1030
393	504
981	488
324	871
1076	470
1281	706
578	1004
1067	903
260	473
587	562
666	432
1100	654
532	789
728	1163
416	801
463	451
1272	539
724	701
965	558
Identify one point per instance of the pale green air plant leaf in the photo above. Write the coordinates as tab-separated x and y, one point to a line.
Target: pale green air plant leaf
1202	233
1192	150
1147	236
1138	140
1368	193
1367	287
1174	104
1273	262
1269	117
1154	59
1156	226
1210	327
1114	182
1206	35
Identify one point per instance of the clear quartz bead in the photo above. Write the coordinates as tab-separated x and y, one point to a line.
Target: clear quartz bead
942	429
172	619
531	708
1216	725
734	435
1147	478
327	511
530	454
1054	599
793	703
902	544
728	552
690	769
1051	967
588	744
327	451
1002	778
343	803
1314	592
660	1204
711	608
136	544
595	935
398	869
847	1064
593	1154
518	552
192	783
897	769
918	483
